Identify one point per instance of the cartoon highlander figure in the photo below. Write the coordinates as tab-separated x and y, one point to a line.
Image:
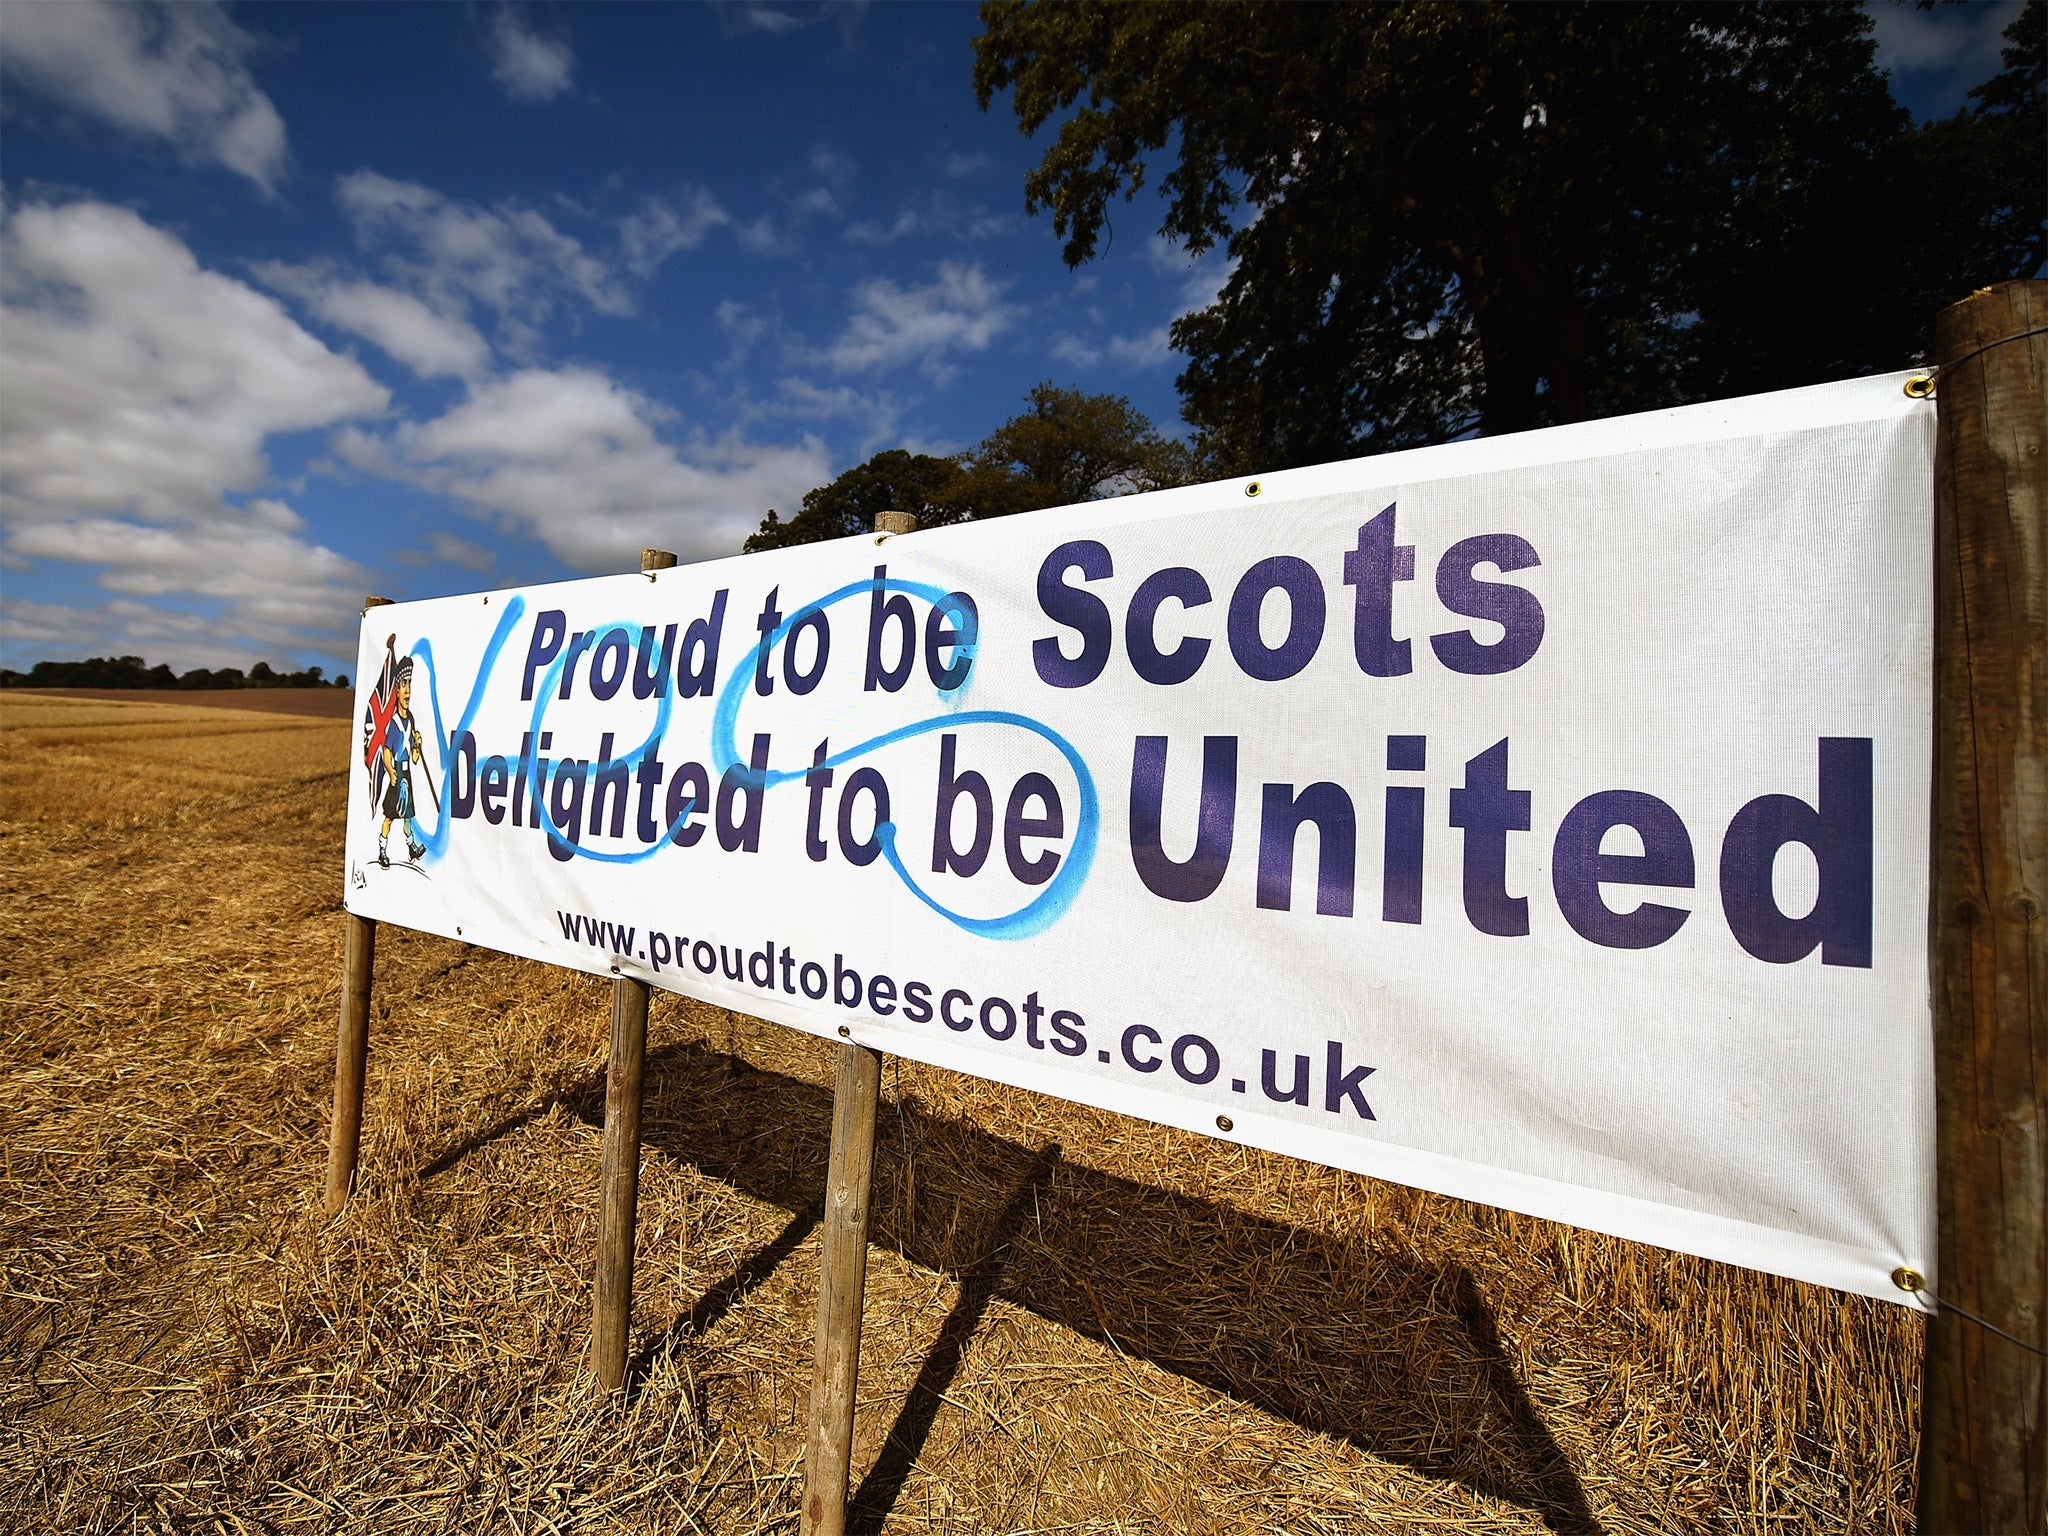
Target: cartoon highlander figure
391	745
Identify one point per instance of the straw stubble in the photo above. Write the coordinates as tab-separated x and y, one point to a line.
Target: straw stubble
1075	1321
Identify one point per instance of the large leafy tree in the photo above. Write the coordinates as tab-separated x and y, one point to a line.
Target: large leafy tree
895	480
1448	216
1065	446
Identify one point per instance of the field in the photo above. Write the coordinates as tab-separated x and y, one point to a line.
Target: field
1076	1322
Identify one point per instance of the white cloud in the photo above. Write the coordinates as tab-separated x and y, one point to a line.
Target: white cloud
442	259
740	17
449	549
530	67
48	625
1146	350
181	637
876	416
1202	277
1963	40
660	227
762	238
959	311
173	72
429	344
456	550
574	458
511	259
1072	349
136	397
939	218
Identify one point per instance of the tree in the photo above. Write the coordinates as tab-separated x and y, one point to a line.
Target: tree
1066	446
1445	217
893	481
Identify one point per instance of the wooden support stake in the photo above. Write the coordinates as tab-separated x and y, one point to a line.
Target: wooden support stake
1984	1401
849	1184
619	1182
828	1453
352	1043
351	1059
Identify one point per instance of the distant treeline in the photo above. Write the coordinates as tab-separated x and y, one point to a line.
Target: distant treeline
134	672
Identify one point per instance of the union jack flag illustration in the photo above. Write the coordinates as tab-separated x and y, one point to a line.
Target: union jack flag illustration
377	720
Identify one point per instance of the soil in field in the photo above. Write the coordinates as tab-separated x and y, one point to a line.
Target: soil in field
1075	1321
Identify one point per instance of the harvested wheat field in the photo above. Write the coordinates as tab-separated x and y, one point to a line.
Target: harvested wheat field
1076	1322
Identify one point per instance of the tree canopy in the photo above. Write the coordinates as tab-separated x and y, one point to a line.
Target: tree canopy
1448	216
1065	446
894	480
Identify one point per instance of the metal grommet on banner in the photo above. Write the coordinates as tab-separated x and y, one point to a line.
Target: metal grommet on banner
845	1033
1253	489
1225	1123
1920	387
1908	1279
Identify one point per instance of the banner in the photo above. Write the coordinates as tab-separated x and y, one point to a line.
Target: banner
1541	820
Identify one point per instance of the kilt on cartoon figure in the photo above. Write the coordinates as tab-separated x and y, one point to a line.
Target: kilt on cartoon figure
391	746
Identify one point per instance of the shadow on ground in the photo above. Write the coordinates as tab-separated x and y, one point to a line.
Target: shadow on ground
1401	1359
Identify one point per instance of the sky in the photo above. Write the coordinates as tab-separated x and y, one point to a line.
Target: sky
304	302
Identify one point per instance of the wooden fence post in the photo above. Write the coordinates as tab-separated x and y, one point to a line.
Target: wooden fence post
849	1184
618	1184
352	1042
1984	1402
835	1382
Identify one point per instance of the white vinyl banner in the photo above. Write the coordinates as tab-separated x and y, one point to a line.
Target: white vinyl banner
1542	820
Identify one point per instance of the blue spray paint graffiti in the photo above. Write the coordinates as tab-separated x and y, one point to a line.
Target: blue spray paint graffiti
1033	917
444	742
1036	915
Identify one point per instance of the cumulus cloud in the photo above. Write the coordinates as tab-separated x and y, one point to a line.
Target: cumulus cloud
136	398
442	261
961	310
510	258
456	550
738	18
172	72
575	459
448	549
428	343
530	67
49	626
1148	349
661	226
938	218
1964	41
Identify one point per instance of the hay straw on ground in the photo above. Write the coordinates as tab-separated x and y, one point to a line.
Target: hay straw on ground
1075	1321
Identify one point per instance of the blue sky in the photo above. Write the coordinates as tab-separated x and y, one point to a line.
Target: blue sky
304	302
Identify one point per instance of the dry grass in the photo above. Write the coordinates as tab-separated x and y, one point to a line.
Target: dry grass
1076	1322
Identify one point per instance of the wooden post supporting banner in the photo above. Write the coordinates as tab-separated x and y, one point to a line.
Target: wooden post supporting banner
619	1182
835	1382
352	1043
1984	1402
849	1184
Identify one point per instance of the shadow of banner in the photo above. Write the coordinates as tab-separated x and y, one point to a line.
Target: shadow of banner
1399	1358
